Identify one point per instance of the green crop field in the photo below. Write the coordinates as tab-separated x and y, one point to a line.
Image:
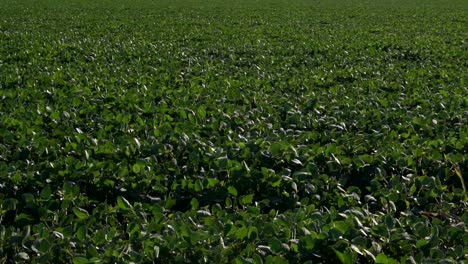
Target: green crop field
262	131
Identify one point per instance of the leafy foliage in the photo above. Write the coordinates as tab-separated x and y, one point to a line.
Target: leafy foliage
233	131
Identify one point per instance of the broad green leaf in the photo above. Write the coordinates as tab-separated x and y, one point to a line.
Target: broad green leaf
212	182
46	193
201	111
80	260
241	233
228	202
136	168
345	257
170	202
389	221
232	190
253	233
139	166
43	245
276	148
308	242
194	204
383	259
70	190
81	233
9	204
123	203
80	213
92	251
275	260
275	245
246	199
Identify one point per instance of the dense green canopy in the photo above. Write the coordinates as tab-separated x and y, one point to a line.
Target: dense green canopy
236	131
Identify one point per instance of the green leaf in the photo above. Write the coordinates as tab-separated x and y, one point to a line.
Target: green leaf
80	260
253	233
100	237
201	111
212	182
275	260
123	204
81	233
341	256
10	204
276	183
139	166
71	190
276	148
383	259
242	233
170	201
275	245
346	257
42	245
308	242
198	185
389	221
460	176
46	193
24	219
92	251
421	243
194	203
246	199
342	226
232	190
80	213
228	202
55	115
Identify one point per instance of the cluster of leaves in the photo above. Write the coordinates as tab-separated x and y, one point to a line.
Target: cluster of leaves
233	131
